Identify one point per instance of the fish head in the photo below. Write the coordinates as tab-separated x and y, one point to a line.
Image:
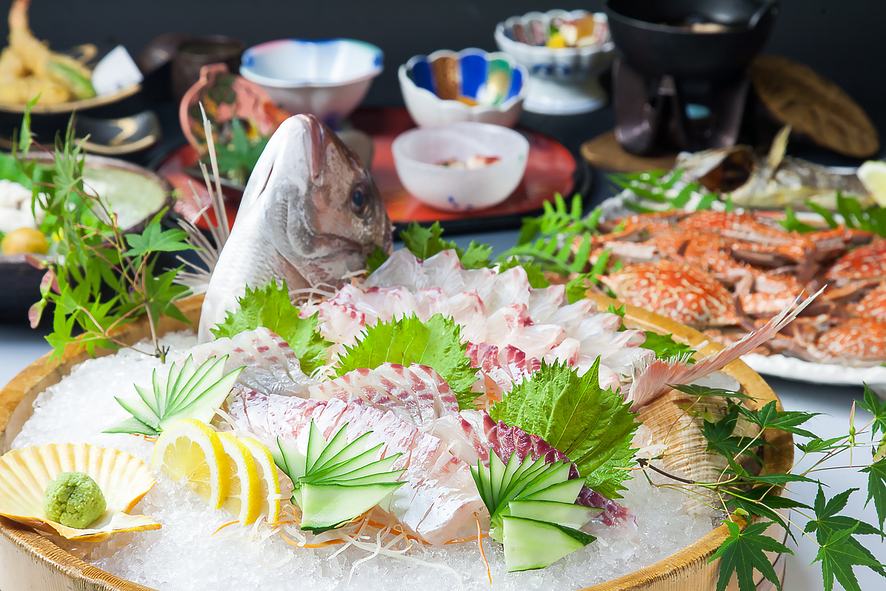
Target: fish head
324	214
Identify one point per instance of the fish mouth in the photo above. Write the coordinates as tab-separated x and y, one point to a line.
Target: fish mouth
318	143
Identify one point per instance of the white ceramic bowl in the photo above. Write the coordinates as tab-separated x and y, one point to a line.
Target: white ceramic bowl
326	78
417	153
494	81
563	81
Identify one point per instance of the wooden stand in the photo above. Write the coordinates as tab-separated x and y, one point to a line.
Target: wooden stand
604	152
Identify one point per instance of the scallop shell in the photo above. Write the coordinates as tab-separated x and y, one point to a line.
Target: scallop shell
686	448
123	479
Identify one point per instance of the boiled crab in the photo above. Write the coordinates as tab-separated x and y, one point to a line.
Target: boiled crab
726	273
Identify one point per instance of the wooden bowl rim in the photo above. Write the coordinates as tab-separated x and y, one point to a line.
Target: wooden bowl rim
41	549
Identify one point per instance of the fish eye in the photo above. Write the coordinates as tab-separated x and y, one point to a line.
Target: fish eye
361	199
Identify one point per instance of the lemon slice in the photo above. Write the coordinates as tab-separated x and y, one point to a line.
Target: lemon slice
269	483
872	175
244	495
190	451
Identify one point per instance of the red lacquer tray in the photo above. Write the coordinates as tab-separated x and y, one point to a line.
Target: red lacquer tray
550	169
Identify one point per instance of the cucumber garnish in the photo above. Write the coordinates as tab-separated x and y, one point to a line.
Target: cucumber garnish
190	392
533	510
336	481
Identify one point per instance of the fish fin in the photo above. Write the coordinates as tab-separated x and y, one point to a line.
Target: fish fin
778	149
653	380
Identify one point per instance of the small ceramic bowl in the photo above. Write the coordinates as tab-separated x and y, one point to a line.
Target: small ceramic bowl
326	78
418	152
563	81
471	85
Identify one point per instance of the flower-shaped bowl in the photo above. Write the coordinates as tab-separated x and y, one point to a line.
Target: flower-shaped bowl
471	85
563	80
419	152
327	78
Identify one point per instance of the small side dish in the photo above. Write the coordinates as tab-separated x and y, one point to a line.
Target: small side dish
29	69
461	167
563	52
327	78
471	85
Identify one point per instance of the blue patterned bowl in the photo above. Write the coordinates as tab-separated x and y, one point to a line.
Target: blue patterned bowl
471	85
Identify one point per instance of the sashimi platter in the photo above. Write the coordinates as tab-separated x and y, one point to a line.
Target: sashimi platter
319	410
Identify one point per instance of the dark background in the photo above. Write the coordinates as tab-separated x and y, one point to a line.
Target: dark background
844	40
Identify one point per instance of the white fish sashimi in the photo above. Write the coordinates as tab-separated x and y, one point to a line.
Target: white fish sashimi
416	394
496	309
439	496
270	365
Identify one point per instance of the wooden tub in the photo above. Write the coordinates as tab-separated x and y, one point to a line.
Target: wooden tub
29	561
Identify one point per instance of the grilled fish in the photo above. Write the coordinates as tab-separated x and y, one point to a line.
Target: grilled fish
773	181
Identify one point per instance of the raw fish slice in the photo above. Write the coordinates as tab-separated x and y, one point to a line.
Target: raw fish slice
271	365
536	340
445	270
387	303
504	367
544	302
416	394
290	417
462	437
468	311
401	268
341	324
431	301
509	288
445	401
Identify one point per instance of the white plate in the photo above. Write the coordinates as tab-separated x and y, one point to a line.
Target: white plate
791	368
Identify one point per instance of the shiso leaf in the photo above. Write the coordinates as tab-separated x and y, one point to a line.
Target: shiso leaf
271	308
665	347
534	272
435	343
592	426
335	481
196	393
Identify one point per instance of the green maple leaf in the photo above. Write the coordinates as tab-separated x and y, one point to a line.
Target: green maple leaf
838	555
721	440
436	343
873	405
877	488
156	239
827	523
764	501
592	426
769	417
743	552
271	308
819	445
